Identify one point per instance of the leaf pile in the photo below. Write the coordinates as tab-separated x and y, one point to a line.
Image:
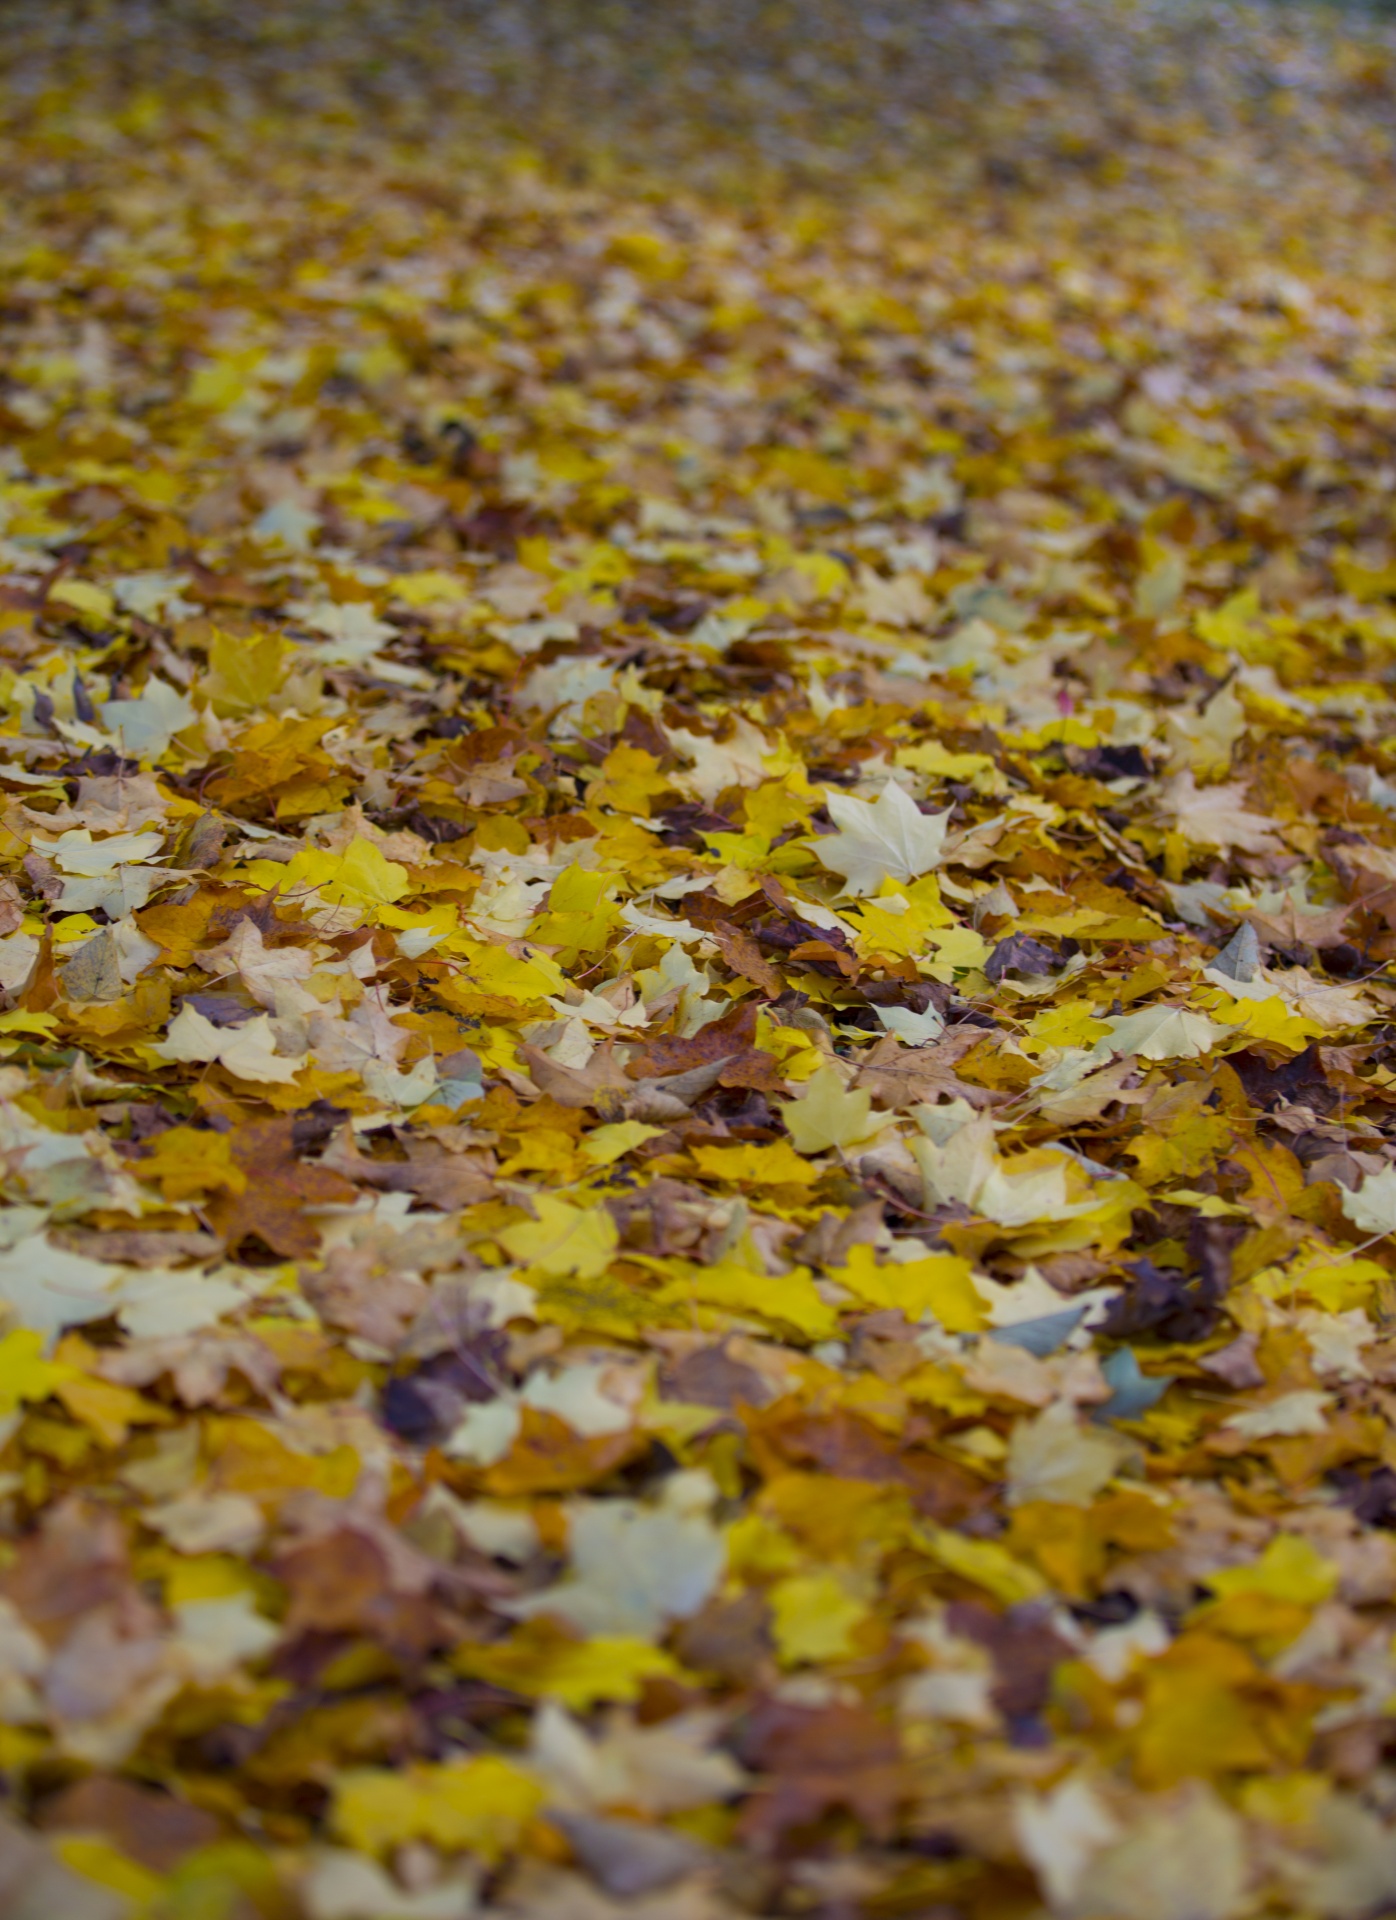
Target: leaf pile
698	1106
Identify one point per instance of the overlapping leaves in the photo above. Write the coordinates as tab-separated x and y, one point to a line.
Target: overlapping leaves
697	1103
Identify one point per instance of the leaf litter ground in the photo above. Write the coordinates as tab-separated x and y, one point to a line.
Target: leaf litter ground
698	1107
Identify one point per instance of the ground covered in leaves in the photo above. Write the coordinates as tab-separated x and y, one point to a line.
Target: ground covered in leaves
698	1107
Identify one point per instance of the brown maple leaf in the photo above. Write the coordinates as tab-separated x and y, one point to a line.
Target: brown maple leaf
342	1583
730	1041
153	1828
598	1084
899	1076
280	1187
1290	926
358	1291
11	907
1025	1649
840	1443
77	1561
730	1639
743	956
137	1247
442	1179
712	1377
816	1759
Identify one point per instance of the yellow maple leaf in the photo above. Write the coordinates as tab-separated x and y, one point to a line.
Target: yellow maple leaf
244	671
814	1617
25	1375
366	877
790	1299
540	1663
579	916
91	603
828	1115
940	1284
1291	1568
894	926
481	1805
628	781
523	978
361	876
774	1164
985	1564
1268	1019
562	1239
432	587
185	1161
603	1145
108	1409
1201	1701
104	1865
957	949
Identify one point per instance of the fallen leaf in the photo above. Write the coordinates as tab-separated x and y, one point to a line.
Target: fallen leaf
635	1570
828	1115
886	839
